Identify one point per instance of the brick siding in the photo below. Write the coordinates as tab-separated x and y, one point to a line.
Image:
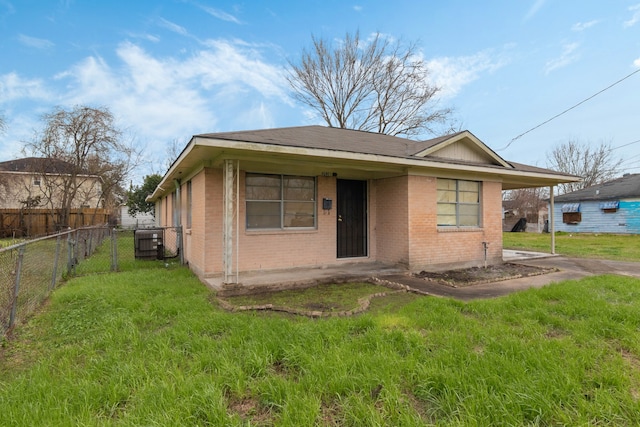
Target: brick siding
402	224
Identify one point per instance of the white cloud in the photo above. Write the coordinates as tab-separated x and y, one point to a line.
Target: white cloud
636	63
635	16
35	42
451	74
357	8
567	57
13	87
162	98
581	26
171	26
144	36
217	13
534	9
226	63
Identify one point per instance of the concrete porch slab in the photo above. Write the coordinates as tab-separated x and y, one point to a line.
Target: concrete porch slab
301	277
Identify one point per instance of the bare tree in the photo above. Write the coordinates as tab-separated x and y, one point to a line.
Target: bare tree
376	86
84	159
594	163
172	152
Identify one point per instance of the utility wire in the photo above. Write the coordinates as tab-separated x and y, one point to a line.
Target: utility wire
624	145
568	109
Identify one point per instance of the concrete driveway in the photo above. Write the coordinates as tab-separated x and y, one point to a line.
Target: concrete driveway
569	269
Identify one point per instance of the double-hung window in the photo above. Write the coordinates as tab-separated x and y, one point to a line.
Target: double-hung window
458	203
280	201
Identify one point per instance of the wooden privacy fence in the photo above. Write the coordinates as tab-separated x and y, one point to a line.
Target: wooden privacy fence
40	222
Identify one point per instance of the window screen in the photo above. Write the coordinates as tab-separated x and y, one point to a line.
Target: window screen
280	201
458	203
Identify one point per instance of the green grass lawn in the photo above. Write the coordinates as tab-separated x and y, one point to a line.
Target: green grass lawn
603	246
152	347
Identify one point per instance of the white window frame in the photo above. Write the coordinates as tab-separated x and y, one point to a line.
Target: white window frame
282	203
458	204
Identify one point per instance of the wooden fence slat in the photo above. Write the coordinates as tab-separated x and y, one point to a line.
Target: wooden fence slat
40	222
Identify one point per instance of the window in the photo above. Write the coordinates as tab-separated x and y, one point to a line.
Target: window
458	203
571	217
610	207
189	204
571	213
280	201
36	181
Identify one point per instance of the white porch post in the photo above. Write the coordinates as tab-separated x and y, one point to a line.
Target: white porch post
230	219
552	228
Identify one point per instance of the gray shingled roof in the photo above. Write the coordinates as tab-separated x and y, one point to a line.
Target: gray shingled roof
353	141
622	188
331	139
38	165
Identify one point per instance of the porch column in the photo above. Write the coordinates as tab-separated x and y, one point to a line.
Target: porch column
230	219
552	228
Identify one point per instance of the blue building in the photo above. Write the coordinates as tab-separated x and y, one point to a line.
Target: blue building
611	207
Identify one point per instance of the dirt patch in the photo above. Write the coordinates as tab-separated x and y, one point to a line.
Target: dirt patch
477	275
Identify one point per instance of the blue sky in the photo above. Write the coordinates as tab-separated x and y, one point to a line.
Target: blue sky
172	69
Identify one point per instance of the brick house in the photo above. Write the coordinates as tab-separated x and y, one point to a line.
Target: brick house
314	196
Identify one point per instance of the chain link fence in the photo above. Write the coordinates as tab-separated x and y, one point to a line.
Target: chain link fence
30	270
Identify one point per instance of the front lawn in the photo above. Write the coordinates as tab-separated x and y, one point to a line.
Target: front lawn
152	347
604	246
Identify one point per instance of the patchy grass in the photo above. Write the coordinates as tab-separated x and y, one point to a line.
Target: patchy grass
151	347
584	245
327	298
6	242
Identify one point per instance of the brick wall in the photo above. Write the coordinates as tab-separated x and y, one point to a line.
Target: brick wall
432	247
268	249
194	237
392	220
401	218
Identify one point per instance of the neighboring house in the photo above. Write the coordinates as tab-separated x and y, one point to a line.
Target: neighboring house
37	183
140	220
314	196
612	207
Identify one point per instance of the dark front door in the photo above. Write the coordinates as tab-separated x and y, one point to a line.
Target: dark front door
351	206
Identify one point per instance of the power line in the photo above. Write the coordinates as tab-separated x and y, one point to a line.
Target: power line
568	109
625	145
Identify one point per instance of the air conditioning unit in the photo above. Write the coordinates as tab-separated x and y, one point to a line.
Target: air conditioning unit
149	244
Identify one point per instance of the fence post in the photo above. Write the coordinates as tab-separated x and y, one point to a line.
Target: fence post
114	250
70	253
90	252
16	288
54	277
